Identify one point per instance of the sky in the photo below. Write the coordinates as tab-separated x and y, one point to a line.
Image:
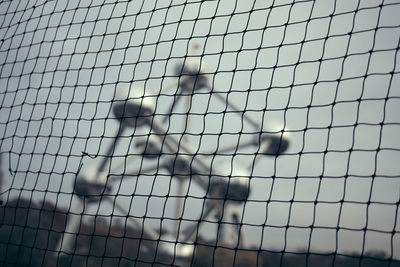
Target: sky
291	65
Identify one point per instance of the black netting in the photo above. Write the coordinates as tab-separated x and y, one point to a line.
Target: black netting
199	133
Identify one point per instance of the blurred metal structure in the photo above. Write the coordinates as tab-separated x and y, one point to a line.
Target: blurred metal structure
224	189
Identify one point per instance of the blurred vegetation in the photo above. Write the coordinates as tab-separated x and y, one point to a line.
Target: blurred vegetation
29	234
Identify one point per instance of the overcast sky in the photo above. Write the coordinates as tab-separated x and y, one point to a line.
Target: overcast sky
337	100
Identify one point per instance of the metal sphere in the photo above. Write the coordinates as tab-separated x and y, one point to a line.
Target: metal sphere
235	186
276	144
169	246
91	182
275	140
133	106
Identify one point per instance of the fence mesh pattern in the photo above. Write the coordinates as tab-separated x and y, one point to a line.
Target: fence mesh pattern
199	133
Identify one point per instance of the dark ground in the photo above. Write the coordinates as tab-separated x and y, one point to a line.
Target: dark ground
29	233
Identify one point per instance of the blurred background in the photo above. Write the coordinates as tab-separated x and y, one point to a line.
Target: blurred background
324	74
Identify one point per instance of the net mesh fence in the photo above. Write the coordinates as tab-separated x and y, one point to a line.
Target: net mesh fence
199	133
